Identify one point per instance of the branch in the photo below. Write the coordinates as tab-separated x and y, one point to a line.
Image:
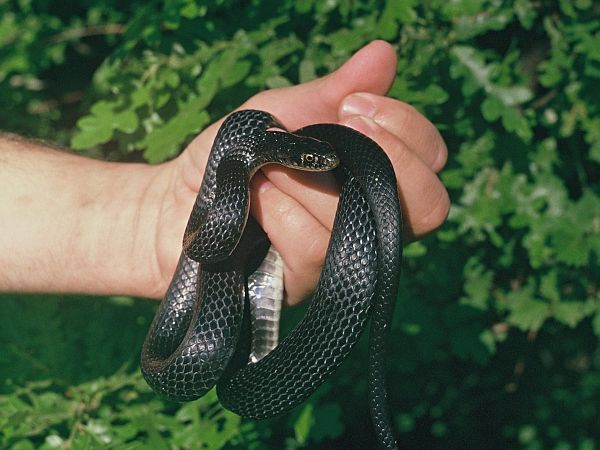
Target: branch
96	30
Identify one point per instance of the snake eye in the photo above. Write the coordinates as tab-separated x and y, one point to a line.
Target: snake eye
308	157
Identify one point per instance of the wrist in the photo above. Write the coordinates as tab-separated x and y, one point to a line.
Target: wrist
74	224
118	229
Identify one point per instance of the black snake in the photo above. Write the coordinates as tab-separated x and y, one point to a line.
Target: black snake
200	335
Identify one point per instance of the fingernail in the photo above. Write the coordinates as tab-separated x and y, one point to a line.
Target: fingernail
358	105
265	186
362	124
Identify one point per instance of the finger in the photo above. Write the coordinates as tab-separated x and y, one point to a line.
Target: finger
317	192
425	201
403	121
298	236
371	69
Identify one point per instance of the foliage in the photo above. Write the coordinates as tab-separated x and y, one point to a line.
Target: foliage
495	340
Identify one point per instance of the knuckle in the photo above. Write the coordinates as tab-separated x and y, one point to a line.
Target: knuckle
402	118
315	251
285	212
401	158
288	215
401	114
298	289
441	155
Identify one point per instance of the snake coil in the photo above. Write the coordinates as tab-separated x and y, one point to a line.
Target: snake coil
200	334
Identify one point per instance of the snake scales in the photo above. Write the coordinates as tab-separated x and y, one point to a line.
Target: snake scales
200	335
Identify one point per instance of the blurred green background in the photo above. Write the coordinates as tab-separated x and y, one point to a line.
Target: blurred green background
495	338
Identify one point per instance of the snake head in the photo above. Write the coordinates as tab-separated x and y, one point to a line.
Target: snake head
300	152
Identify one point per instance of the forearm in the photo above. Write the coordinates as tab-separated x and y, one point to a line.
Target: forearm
73	224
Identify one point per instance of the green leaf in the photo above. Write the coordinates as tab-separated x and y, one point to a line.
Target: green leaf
23	444
164	141
549	286
513	120
489	341
303	424
400	11
511	95
98	128
229	67
415	249
306	71
277	81
477	285
92	131
526	12
492	109
501	101
411	93
236	73
190	10
570	312
473	61
569	243
526	312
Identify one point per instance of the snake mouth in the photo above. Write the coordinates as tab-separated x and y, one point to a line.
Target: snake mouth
332	161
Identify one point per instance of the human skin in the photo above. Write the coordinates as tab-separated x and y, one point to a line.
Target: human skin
72	224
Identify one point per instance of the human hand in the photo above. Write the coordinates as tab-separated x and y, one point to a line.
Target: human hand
293	203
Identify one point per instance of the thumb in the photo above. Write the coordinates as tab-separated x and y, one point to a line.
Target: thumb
371	69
